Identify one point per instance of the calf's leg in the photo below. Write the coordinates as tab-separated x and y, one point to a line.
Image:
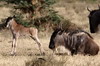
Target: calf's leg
39	44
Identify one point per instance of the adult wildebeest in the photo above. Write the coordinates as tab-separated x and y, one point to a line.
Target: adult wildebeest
18	30
77	41
94	20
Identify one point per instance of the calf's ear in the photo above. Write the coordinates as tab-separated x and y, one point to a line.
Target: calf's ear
14	16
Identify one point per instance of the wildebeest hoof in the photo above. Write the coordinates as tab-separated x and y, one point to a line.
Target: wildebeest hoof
13	54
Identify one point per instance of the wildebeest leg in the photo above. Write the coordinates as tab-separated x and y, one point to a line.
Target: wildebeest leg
39	44
12	50
14	44
53	52
72	52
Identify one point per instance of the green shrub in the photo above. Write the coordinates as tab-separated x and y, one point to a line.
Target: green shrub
48	15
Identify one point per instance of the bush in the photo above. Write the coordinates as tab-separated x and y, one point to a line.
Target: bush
41	13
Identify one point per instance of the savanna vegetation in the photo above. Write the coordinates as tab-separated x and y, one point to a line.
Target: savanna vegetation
44	15
36	13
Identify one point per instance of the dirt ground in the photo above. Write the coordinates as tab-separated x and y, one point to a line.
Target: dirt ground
27	49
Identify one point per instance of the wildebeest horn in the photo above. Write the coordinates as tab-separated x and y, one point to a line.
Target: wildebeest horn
88	9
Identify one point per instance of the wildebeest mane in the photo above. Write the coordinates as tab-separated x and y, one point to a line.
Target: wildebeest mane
70	31
77	31
8	19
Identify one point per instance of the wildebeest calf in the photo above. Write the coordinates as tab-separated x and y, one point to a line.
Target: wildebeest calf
76	41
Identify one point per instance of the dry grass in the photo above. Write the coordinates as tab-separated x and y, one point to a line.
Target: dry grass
27	49
27	53
76	12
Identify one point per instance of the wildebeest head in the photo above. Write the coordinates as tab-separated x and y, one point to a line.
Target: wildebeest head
94	19
8	20
53	37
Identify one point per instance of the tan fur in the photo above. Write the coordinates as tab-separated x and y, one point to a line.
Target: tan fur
18	30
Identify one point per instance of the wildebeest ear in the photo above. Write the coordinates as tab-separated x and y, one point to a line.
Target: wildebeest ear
14	16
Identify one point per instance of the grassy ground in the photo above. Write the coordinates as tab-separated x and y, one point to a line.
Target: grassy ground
27	49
